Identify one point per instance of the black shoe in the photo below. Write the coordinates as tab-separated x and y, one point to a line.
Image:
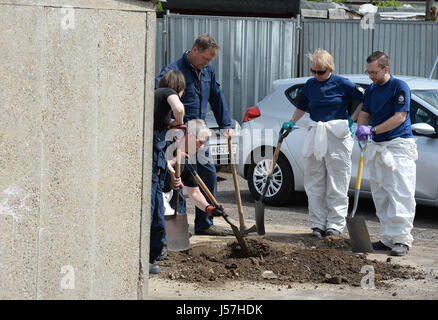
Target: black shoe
379	246
399	250
215	231
317	233
332	232
154	269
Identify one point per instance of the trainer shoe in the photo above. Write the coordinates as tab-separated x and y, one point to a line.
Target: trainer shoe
154	269
379	246
399	250
332	232
215	231
317	233
163	255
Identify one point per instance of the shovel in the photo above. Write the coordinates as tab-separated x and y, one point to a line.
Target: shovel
357	228
243	228
177	227
259	205
236	231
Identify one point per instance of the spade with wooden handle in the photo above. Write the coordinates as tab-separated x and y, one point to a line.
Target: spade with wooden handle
243	228
357	228
236	231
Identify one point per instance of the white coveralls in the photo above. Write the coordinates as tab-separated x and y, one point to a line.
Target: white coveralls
392	180
327	171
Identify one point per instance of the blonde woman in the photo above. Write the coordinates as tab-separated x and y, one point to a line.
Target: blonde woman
328	145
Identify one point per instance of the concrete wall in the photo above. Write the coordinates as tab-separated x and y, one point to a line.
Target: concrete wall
75	153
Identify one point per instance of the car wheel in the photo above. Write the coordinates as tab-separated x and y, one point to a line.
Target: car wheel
281	186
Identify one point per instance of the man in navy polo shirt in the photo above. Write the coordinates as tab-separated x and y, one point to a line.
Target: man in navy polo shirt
391	155
203	88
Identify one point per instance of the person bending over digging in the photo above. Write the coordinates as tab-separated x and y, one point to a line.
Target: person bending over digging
190	144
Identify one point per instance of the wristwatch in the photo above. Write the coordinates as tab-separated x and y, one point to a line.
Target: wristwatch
373	130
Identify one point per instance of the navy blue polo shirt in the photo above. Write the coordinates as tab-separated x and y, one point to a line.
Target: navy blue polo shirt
382	102
328	100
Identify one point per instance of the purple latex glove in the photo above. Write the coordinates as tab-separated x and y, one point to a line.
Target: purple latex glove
363	132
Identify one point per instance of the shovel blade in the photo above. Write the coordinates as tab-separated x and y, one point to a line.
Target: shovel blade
177	232
260	217
240	240
359	236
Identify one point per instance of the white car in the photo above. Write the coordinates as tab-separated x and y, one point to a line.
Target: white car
262	124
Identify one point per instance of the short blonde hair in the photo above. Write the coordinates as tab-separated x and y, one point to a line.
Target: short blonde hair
322	59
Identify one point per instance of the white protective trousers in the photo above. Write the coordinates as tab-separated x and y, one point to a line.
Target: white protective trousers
327	171
392	181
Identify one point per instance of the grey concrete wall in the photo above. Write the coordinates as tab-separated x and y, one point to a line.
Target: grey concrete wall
76	101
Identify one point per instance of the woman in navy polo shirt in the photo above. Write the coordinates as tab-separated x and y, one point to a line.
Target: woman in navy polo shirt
328	145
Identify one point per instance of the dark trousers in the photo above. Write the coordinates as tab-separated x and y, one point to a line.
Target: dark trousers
207	172
158	231
202	220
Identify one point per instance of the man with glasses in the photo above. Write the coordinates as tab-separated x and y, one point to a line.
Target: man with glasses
202	88
328	144
195	139
391	155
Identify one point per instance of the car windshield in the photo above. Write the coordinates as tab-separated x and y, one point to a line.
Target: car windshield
430	96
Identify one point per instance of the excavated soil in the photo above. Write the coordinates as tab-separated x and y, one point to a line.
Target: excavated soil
302	259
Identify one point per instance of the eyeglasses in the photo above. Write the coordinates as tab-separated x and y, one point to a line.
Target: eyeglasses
373	73
318	72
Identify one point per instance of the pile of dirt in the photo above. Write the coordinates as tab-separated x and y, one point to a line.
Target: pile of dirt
324	260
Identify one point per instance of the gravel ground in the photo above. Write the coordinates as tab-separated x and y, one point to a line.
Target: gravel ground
288	223
295	213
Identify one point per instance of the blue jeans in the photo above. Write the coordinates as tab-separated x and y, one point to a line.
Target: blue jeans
207	172
158	231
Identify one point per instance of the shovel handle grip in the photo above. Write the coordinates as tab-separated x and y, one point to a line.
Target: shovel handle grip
283	134
359	173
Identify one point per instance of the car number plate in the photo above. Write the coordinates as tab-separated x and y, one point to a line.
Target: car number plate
221	149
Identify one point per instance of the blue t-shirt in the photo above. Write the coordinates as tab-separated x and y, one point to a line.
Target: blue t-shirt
328	100
382	102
